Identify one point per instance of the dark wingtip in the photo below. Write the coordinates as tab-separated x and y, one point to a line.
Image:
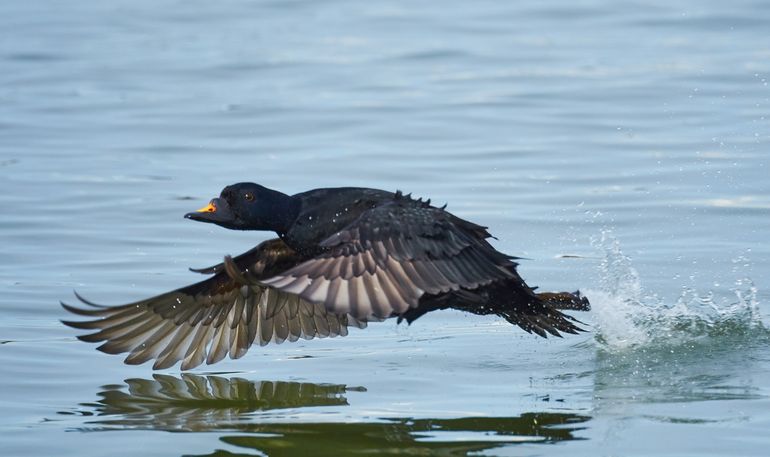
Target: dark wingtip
134	361
109	347
86	301
79	311
91	338
85	325
204	271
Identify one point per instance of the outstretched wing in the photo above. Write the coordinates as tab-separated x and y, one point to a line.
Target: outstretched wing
206	321
392	255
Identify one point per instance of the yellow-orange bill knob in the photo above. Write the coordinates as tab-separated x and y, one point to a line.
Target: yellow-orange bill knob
210	208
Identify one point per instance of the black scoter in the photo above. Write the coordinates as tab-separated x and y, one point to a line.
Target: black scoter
343	257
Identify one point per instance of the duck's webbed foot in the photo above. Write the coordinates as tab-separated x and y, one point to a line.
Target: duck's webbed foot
566	300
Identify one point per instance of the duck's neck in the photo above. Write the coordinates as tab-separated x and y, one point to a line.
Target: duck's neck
284	212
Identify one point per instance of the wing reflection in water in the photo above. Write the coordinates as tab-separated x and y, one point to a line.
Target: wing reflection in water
202	403
243	408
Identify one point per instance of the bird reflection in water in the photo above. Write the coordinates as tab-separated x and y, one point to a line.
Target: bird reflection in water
247	410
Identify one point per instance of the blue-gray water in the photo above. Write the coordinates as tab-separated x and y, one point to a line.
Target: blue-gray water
623	147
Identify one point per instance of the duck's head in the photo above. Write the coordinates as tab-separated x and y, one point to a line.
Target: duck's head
248	206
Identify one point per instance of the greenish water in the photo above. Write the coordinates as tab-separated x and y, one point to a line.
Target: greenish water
621	147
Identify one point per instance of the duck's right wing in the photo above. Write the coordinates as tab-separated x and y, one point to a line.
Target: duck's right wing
224	314
385	261
394	256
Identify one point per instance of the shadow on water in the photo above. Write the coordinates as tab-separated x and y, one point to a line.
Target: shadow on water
460	436
193	403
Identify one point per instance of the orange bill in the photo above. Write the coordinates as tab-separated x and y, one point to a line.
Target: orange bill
210	208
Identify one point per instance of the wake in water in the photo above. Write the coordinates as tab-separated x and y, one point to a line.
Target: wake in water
627	318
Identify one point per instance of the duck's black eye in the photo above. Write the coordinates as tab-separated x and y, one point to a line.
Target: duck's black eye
248	196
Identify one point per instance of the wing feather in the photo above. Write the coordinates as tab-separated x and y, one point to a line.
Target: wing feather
207	321
390	257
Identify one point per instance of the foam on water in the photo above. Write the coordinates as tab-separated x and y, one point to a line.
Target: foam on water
627	317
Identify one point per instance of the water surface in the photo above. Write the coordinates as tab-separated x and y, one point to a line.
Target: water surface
620	146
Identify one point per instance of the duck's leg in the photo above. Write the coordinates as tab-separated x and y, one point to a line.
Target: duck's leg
566	300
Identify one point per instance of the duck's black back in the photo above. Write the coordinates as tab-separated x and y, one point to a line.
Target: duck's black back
324	212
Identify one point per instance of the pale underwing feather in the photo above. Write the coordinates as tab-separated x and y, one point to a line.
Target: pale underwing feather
212	319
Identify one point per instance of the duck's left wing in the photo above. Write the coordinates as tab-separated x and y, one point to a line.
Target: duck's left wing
206	321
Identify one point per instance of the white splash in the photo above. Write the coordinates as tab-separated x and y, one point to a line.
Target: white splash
625	317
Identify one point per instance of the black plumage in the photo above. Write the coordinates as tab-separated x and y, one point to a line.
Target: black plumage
343	257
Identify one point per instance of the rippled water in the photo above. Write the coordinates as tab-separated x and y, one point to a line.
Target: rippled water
621	146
